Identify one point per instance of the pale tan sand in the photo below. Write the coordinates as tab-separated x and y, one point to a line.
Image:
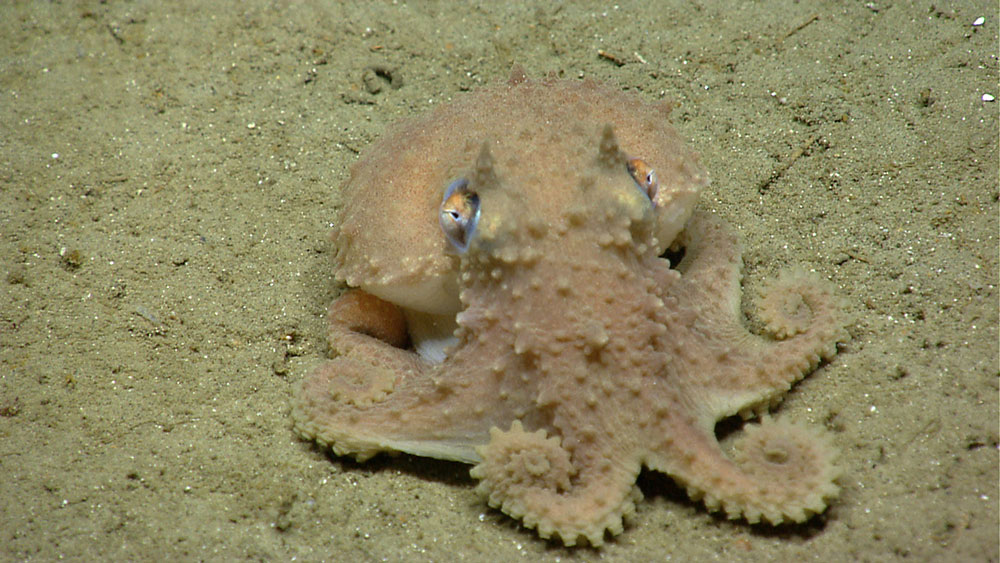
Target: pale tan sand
166	274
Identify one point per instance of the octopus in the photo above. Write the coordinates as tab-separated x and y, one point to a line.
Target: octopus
534	291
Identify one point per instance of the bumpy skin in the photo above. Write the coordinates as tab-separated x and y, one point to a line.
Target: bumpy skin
581	355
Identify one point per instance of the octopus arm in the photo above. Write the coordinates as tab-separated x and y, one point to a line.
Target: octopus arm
376	396
732	369
712	263
536	478
779	471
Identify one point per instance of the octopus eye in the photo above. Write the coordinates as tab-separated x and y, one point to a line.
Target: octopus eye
644	176
459	214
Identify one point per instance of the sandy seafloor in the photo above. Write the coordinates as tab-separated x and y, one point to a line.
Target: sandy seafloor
169	173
